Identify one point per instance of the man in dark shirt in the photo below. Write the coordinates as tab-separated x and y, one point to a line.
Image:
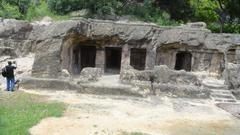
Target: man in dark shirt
10	76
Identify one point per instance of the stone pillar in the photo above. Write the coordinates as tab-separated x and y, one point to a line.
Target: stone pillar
226	72
173	59
125	62
150	58
237	57
100	58
65	56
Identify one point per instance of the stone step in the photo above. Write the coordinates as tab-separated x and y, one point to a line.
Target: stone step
224	100
227	96
215	86
222	96
221	92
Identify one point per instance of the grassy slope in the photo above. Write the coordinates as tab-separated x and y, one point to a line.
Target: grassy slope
20	111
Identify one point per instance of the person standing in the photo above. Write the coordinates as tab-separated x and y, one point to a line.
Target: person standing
10	75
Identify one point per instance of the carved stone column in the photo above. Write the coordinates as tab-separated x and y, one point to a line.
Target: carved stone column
125	62
237	57
150	58
100	58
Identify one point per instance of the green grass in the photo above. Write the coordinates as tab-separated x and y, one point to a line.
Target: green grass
20	111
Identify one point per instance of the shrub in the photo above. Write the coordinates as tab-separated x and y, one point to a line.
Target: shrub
9	11
65	6
101	7
227	28
36	12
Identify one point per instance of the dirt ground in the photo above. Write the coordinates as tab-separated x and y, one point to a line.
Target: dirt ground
112	115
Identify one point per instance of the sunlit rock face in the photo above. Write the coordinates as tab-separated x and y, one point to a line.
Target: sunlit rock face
113	46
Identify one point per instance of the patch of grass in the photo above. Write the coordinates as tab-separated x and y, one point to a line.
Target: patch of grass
20	111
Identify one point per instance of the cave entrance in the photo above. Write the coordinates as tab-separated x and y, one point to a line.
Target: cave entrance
138	58
83	56
113	59
183	61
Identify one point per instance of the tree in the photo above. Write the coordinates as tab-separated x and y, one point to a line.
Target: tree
178	9
21	4
223	11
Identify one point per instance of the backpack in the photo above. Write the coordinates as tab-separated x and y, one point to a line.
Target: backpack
4	72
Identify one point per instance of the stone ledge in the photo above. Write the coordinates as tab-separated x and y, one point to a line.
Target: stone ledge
46	83
85	88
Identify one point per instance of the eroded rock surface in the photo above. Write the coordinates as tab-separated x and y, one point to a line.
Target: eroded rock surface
164	80
161	74
232	76
48	41
90	75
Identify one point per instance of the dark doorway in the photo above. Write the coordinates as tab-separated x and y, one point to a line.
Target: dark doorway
138	58
88	56
183	61
83	56
113	59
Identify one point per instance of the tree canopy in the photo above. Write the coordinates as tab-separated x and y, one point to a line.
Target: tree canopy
220	15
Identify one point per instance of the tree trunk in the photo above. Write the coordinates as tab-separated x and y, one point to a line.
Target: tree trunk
222	26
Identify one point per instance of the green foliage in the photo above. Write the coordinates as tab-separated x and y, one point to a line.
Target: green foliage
217	13
101	7
20	111
228	28
9	11
36	12
204	10
65	6
178	9
22	5
145	11
233	8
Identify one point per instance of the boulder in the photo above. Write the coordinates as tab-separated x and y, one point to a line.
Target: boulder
64	74
161	74
47	62
90	75
162	80
15	29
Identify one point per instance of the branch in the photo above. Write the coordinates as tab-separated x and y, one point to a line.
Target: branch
220	4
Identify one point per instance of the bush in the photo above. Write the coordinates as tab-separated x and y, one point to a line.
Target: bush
36	12
227	28
63	7
9	11
101	7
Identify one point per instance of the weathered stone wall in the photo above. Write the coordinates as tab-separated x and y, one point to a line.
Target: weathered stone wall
48	41
14	37
164	80
232	76
202	59
160	74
